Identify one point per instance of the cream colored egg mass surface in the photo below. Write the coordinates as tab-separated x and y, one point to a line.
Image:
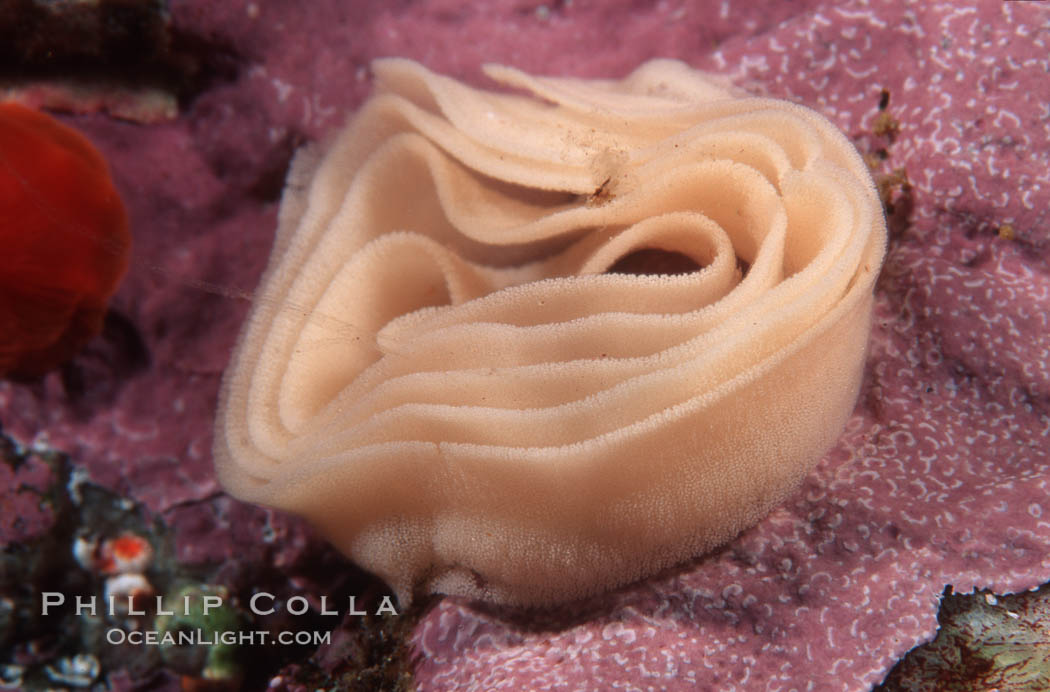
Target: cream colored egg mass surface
440	372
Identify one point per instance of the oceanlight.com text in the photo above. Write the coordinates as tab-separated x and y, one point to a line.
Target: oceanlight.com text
198	637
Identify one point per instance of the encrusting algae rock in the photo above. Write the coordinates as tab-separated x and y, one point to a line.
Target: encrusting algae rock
450	373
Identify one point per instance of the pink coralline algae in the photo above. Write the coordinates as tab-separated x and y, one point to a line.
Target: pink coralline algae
941	476
26	481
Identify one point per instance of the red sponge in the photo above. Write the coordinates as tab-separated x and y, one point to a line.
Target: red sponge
64	241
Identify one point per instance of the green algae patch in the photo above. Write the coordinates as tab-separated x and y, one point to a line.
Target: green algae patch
985	642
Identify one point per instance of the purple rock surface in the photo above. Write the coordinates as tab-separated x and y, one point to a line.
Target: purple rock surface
24	511
941	476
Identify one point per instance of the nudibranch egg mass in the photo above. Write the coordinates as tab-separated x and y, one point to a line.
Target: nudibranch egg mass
466	400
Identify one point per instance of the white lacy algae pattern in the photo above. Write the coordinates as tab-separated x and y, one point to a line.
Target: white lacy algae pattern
441	375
